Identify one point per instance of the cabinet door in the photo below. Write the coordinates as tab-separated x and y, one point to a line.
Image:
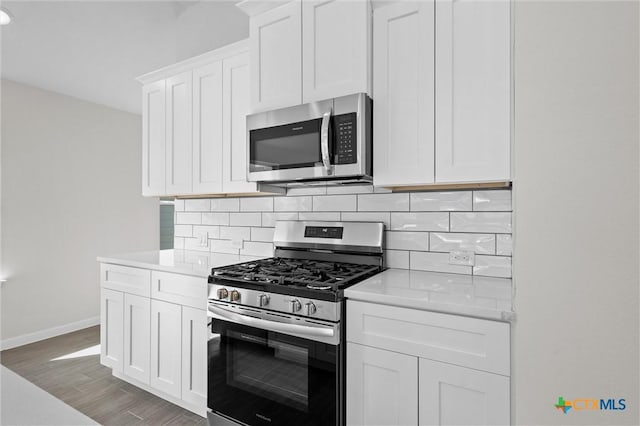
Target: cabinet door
207	129
452	395
235	96
194	356
382	387
153	139
473	90
166	338
137	336
179	127
403	89
336	48
111	328
276	57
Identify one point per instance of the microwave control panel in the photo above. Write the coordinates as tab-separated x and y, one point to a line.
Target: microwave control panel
345	148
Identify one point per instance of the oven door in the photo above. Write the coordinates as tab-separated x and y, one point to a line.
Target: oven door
263	377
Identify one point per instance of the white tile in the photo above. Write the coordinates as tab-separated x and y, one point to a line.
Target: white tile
492	201
407	240
396	259
253	248
215	219
478	243
245	219
441	201
311	190
504	245
178	243
292	204
212	231
383	202
481	222
225	204
324	216
223	246
262	234
183	230
190	218
435	221
367	217
333	203
257	204
235	233
199	205
350	189
435	262
269	219
178	205
194	244
493	266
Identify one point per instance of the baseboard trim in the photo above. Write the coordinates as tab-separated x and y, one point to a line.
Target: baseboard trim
25	339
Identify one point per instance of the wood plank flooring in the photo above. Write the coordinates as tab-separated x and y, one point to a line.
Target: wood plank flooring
86	385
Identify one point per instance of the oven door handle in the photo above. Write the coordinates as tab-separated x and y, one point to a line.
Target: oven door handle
324	141
305	330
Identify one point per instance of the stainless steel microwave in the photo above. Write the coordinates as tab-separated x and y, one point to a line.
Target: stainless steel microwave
327	141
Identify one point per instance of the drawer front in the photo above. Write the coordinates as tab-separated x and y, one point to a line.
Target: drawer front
468	342
181	289
124	278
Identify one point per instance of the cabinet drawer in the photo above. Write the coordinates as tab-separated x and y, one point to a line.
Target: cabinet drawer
126	279
468	342
180	289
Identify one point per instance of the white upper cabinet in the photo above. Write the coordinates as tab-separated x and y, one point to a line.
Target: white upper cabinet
275	50
473	90
336	48
403	92
153	139
179	126
235	100
307	50
207	128
442	92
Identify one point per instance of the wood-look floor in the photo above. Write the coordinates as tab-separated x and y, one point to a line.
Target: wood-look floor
88	386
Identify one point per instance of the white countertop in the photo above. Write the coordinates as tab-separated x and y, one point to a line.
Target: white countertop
188	262
483	297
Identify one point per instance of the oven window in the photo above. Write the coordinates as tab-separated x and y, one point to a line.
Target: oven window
270	368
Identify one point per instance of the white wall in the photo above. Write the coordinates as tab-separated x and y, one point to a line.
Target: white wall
70	192
576	213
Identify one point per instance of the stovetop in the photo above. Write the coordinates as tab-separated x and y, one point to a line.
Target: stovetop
323	280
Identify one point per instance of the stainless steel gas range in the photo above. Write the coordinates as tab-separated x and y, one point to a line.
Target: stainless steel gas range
276	346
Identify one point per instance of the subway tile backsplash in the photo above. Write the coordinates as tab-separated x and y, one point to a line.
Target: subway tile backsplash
421	227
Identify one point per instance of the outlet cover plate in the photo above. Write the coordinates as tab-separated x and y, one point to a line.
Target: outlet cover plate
465	258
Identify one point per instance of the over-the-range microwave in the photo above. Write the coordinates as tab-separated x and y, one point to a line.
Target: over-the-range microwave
324	142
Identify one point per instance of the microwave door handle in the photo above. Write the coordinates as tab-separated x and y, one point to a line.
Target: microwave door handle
225	315
324	141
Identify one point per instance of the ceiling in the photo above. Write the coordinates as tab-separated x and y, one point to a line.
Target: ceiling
93	50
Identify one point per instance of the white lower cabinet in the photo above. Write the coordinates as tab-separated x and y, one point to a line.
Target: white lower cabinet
137	336
392	381
111	317
382	387
157	338
194	356
166	338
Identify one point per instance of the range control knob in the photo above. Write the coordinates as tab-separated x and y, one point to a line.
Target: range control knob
222	293
294	306
309	308
263	300
235	296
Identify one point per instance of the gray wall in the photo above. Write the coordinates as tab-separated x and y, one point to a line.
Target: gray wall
70	192
576	212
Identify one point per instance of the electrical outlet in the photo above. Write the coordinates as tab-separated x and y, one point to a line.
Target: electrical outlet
466	258
204	239
237	243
